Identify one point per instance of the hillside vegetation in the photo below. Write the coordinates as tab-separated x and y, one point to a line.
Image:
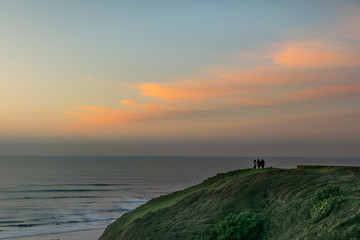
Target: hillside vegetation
307	203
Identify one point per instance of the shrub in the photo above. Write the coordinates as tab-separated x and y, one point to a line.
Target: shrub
325	201
325	193
243	226
322	210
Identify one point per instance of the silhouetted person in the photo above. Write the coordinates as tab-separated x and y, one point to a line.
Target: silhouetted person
258	163
255	164
262	163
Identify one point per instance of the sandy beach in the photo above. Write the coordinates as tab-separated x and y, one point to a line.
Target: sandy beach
79	235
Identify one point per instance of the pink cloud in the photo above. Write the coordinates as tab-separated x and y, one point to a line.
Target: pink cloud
325	92
314	55
350	27
254	101
329	123
300	66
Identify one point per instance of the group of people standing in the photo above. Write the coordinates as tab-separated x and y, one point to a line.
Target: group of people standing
259	163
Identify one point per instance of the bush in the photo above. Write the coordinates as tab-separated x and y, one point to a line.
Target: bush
243	226
322	210
325	193
325	201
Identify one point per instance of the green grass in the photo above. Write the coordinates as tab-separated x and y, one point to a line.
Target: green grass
284	197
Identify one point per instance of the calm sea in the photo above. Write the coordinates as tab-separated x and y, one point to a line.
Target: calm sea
41	195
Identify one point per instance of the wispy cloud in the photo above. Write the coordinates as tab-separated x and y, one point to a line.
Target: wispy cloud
254	101
350	27
325	92
190	91
88	118
308	94
131	103
313	55
94	108
302	72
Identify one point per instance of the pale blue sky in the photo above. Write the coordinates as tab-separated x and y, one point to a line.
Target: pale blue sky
178	72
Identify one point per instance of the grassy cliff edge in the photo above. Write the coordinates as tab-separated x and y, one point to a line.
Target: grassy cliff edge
304	203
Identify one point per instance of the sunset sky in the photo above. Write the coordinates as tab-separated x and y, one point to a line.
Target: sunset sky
234	78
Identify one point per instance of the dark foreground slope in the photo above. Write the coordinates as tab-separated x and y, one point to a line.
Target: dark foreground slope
294	203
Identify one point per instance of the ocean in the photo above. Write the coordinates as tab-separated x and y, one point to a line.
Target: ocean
45	195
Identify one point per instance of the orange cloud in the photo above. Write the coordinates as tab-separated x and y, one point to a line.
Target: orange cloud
152	107
325	92
313	54
100	116
131	103
254	101
235	92
94	117
328	123
184	99
190	91
113	117
94	108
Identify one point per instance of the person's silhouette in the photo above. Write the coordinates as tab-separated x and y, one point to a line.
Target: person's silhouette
262	163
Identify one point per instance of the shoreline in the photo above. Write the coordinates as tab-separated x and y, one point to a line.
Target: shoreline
92	234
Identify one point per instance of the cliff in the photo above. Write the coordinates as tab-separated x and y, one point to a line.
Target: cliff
304	203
